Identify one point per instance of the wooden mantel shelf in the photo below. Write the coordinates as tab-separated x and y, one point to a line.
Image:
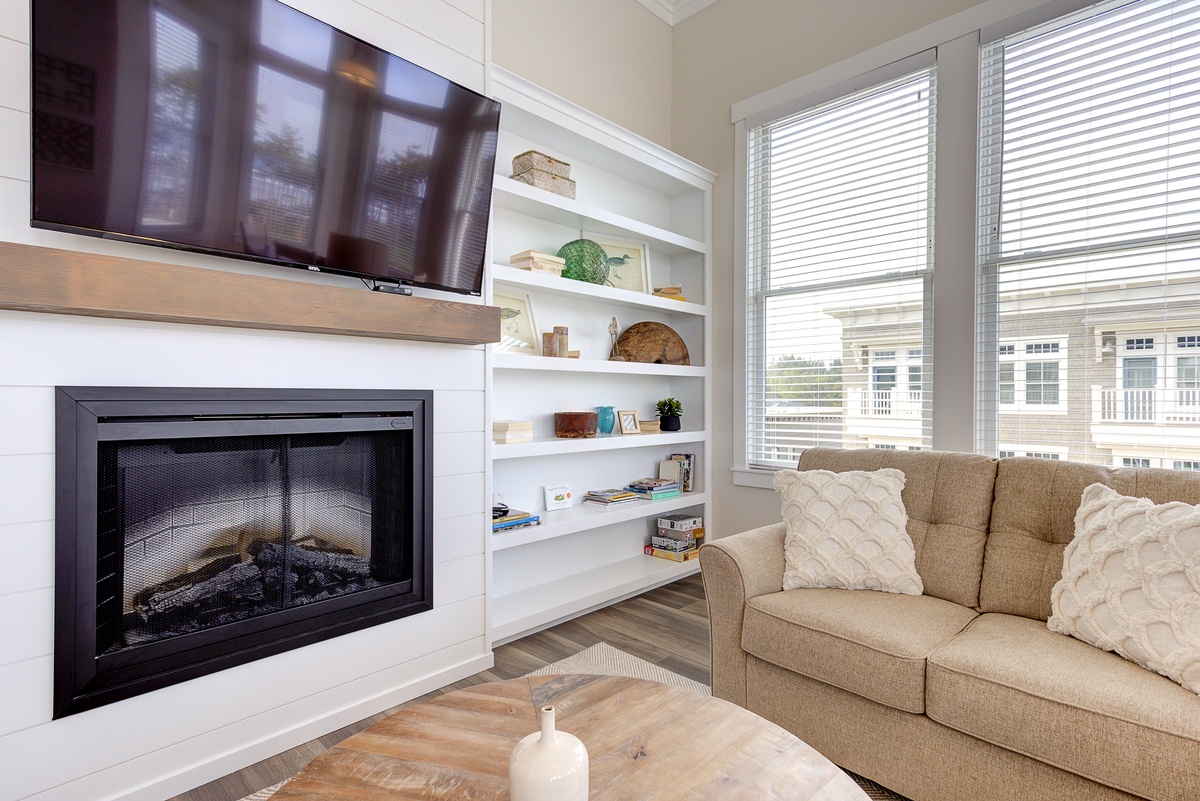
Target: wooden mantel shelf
38	279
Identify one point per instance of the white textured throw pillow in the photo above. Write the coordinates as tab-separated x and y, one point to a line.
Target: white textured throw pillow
1131	582
847	530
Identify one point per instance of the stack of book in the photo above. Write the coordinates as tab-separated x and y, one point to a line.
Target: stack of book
677	537
686	467
514	519
538	262
672	291
610	497
655	489
504	431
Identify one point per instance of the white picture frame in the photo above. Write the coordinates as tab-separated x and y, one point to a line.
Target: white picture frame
518	331
633	271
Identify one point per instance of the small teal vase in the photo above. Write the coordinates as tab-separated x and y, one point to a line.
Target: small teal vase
606	418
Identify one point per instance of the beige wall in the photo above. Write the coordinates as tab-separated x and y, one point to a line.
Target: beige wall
612	57
727	53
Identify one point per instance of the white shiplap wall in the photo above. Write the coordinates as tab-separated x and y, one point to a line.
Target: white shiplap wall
163	743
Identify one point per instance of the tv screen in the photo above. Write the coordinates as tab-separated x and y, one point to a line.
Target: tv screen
246	128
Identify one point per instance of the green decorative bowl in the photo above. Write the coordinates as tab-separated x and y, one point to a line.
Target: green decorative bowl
586	261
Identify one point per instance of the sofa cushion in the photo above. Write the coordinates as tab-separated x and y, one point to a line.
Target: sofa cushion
948	499
846	530
870	643
1012	682
1131	582
1033	519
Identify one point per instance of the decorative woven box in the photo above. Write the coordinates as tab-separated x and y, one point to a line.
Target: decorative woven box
548	181
533	160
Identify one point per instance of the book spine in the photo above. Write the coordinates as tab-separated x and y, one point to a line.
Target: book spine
674	556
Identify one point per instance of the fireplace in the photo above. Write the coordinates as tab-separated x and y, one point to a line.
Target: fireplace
198	529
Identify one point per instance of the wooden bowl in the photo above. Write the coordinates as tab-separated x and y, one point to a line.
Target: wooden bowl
575	425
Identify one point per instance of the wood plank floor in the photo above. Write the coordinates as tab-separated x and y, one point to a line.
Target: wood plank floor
667	626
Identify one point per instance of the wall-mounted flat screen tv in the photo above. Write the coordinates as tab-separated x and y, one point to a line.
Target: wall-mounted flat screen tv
246	128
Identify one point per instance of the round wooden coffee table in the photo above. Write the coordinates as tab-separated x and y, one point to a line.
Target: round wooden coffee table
645	740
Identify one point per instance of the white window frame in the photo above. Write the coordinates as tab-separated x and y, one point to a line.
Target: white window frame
955	41
1021	354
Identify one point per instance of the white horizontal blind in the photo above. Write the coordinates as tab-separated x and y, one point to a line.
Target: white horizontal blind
840	202
1089	240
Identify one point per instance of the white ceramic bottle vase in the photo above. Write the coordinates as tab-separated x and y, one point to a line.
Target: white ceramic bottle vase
548	765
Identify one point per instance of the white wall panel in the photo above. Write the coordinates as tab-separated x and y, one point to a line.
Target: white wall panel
473	8
457	495
26	488
461	452
459	411
458	580
14	22
14	61
25	698
26	625
413	33
28	562
14	144
26	418
455	537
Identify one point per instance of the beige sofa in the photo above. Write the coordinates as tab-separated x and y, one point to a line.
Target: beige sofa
962	693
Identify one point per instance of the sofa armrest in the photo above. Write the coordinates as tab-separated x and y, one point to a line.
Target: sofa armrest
734	570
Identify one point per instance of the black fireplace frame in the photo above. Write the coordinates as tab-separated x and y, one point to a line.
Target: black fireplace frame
84	416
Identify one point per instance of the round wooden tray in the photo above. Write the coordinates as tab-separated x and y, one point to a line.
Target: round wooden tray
653	343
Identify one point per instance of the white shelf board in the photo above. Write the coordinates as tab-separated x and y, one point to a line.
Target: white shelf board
521	612
548	284
585	517
528	361
525	199
552	446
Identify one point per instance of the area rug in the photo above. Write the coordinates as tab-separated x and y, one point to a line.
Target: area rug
603	659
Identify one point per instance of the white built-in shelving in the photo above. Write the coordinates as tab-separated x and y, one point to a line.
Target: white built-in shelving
585	557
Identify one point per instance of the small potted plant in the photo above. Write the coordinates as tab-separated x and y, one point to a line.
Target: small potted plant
668	411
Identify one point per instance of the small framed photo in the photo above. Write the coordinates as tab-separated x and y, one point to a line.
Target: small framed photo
629	421
629	261
518	333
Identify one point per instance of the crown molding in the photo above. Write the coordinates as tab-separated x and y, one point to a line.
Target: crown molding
673	12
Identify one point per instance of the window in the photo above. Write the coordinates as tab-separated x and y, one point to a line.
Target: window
1132	461
839	227
1089	222
1186	464
1029	382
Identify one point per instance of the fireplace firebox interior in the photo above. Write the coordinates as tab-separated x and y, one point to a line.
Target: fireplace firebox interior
200	529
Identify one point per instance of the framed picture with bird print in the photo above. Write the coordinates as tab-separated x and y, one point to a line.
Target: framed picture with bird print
518	333
628	261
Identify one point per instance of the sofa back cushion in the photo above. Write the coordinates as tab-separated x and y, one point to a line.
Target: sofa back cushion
1033	519
948	499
